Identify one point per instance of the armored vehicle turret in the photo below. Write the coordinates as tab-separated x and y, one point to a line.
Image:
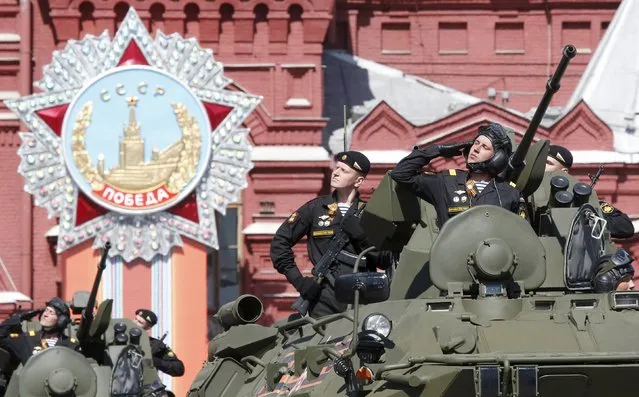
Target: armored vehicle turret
488	305
114	356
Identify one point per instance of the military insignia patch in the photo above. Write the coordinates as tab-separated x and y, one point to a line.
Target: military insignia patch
323	233
292	218
606	208
332	209
324	220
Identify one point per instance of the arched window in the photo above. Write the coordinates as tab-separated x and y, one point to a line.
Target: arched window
192	20
157	17
295	26
87	20
120	10
227	29
260	29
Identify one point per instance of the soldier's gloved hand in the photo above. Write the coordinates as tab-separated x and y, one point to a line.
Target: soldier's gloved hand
454	149
308	288
353	229
157	348
30	314
11	321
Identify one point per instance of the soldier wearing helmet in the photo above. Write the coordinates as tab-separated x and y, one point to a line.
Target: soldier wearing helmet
614	272
21	345
454	191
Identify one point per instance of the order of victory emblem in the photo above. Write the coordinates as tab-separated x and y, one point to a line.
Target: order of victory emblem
135	141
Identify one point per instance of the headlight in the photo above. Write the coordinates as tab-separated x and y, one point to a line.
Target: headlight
378	323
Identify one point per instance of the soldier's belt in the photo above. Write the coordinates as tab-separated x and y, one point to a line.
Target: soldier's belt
348	258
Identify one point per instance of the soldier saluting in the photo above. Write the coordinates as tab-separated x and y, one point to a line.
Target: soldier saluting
454	191
54	319
320	220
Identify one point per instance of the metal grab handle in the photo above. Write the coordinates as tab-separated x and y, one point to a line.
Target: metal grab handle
597	220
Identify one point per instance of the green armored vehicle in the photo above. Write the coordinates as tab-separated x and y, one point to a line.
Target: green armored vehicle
114	358
489	305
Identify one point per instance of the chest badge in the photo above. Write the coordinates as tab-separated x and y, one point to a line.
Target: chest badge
332	210
324	220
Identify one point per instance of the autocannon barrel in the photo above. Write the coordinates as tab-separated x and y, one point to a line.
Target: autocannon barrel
246	309
517	159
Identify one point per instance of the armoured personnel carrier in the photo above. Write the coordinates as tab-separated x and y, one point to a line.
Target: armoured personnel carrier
489	305
114	360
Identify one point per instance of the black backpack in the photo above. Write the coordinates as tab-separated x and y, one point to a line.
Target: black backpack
126	377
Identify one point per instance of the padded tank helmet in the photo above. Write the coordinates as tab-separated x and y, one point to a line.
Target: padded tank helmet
502	149
612	270
61	310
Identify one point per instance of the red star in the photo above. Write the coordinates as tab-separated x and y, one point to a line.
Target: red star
86	209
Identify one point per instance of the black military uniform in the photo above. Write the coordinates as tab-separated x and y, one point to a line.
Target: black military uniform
618	223
319	220
164	359
451	192
21	346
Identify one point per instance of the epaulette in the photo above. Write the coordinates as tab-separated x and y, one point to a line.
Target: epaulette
13	335
606	208
452	172
513	184
32	332
73	340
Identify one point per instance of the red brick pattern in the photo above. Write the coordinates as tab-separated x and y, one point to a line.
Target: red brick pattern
273	48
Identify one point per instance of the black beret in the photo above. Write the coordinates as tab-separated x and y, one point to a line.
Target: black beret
355	160
148	315
561	154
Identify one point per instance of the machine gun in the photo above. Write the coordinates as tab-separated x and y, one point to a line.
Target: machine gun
516	162
84	335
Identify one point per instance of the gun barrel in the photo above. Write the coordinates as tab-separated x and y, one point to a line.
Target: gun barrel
87	314
517	160
246	309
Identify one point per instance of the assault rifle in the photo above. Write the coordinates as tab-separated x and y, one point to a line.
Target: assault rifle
595	178
322	269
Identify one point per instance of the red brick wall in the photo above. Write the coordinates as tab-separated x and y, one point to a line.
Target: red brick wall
466	47
286	61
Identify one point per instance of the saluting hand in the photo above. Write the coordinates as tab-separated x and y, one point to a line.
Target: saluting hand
454	149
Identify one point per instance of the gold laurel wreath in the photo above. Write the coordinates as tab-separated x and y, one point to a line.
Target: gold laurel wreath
78	148
190	153
188	159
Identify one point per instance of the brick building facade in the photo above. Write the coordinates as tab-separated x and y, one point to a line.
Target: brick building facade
500	53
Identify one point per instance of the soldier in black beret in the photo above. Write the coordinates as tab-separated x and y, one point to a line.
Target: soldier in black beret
619	224
559	158
320	220
164	359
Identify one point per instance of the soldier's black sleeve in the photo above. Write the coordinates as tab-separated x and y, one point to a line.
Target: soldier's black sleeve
288	234
408	172
165	359
618	223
